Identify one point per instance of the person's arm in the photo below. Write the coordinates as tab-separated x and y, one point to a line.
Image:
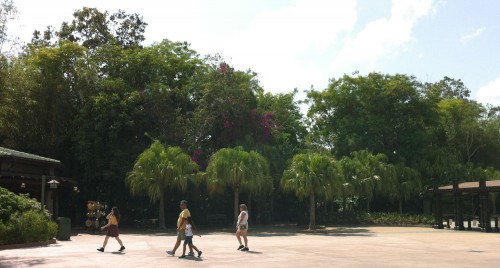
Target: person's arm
182	222
195	230
109	221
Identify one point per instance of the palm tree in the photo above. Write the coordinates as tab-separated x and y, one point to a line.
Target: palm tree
368	173
240	170
159	169
408	184
313	175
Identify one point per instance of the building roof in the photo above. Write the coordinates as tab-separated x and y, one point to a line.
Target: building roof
472	186
4	152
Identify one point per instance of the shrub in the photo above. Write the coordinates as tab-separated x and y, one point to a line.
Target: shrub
8	234
397	219
34	226
22	221
12	203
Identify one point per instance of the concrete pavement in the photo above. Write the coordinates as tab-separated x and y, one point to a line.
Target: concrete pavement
275	247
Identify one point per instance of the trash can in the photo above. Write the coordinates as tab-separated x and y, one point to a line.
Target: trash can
64	231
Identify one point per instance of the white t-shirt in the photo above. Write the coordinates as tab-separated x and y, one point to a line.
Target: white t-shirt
245	221
189	230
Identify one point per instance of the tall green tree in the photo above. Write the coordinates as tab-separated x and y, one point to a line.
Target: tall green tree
160	169
379	113
8	11
408	185
313	176
225	116
240	170
368	174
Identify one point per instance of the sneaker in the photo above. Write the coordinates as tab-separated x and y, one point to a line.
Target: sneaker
245	249
241	247
122	248
171	252
199	253
100	249
191	254
182	256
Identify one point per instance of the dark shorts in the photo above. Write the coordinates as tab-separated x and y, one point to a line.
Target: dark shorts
112	231
189	240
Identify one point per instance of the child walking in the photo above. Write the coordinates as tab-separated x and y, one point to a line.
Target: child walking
113	219
190	230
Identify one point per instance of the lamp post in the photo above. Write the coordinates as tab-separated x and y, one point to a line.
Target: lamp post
42	201
53	186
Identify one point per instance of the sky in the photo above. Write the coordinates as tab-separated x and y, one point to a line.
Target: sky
303	44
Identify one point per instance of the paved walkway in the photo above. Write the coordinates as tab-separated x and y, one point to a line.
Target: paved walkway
338	247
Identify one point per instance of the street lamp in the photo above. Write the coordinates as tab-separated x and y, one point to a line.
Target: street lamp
53	184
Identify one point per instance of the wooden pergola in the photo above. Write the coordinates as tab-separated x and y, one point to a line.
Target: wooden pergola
482	187
31	174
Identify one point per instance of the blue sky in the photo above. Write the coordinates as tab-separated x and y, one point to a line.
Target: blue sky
303	43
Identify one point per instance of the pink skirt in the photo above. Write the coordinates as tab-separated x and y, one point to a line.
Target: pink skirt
112	231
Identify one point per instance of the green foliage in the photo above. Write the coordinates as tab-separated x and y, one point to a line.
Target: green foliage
158	170
378	113
33	226
22	221
9	233
397	219
12	203
313	175
241	171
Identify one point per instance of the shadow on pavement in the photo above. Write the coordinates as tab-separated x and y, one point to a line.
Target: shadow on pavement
17	262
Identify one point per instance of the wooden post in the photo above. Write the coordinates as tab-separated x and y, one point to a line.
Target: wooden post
42	198
438	209
459	213
484	196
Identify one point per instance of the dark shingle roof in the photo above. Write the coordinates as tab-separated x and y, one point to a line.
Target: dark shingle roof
4	152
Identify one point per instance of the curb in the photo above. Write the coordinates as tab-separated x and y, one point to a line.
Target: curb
28	245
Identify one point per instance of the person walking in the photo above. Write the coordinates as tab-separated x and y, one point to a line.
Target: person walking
190	230
181	227
242	227
113	219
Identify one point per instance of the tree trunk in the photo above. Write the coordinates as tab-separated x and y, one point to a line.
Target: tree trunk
162	211
236	203
312	212
249	206
400	205
368	205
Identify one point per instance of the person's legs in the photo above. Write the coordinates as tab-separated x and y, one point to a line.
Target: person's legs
245	239
105	242
119	241
101	249
177	244
238	236
184	249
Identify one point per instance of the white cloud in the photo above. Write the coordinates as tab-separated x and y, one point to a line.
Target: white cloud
276	43
489	93
473	35
384	37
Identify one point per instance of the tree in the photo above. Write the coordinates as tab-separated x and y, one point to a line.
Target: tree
240	170
378	113
409	184
225	116
367	174
313	175
8	12
160	169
